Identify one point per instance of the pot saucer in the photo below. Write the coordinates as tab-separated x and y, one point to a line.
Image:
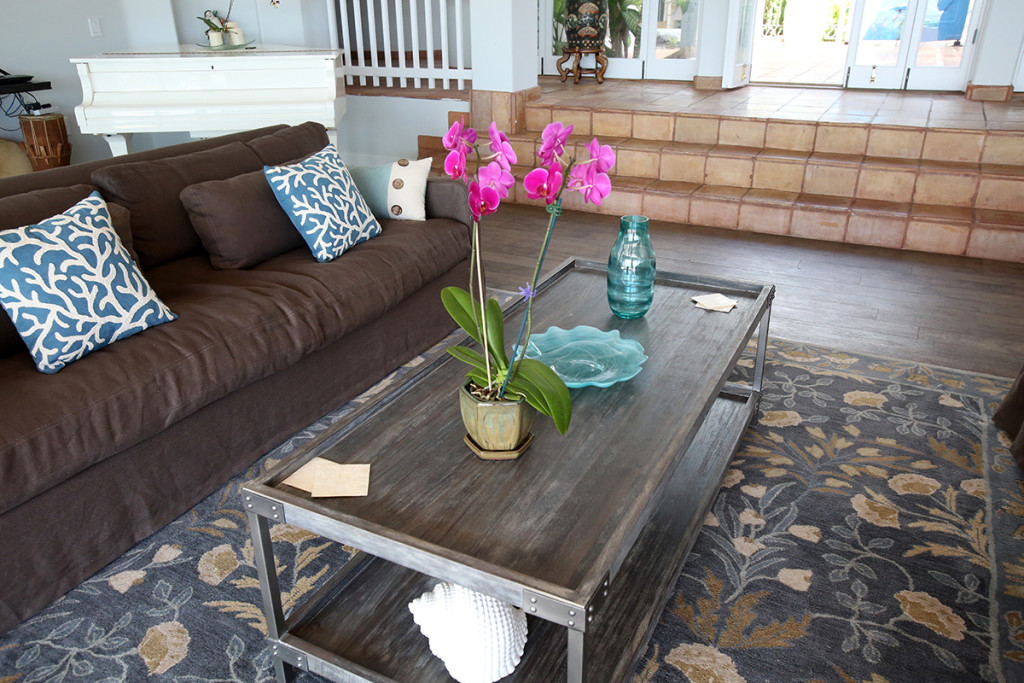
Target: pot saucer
498	455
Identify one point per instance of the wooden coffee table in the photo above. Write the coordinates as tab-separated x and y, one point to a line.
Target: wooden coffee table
586	532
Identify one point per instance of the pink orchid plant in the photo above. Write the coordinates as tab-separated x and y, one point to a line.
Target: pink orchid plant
495	377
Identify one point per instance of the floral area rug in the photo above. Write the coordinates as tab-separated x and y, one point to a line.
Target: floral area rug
871	529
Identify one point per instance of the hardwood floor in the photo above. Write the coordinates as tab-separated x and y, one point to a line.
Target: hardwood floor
948	311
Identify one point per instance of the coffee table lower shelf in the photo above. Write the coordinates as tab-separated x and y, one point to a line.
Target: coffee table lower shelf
359	627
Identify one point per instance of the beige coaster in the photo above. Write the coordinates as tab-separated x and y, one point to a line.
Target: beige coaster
325	479
715	302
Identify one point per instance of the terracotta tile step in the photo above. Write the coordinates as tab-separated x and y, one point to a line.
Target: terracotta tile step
979	233
922	181
875	140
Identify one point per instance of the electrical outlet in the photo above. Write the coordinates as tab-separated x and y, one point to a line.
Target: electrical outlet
95	30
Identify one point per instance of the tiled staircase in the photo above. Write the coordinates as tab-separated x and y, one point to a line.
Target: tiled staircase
925	189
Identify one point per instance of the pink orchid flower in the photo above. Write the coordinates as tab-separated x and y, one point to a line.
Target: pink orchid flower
459	137
502	148
493	175
602	155
483	200
553	140
455	165
544	183
591	183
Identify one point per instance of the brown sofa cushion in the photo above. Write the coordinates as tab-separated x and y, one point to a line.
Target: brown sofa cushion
161	228
290	144
239	221
234	327
30	208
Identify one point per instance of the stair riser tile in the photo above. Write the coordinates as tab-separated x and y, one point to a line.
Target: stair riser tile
742	133
715	213
838	181
577	118
888	186
953	146
620	204
778	175
638	164
841	139
653	126
688	168
662	207
765	219
700	130
537	118
819	225
876	231
1001	193
936	237
794	136
729	171
945	189
613	124
900	144
1001	245
1003	149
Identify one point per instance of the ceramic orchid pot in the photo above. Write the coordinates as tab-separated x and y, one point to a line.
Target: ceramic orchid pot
499	430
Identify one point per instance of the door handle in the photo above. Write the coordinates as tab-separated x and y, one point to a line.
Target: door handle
873	73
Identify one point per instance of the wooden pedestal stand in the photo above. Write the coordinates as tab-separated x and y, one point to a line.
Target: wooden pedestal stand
576	70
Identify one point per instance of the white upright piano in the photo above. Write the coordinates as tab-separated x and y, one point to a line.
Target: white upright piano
206	92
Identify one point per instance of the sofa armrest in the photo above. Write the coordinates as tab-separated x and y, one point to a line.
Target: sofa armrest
447	198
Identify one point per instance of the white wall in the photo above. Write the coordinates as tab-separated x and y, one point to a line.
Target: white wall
22	51
505	49
1001	35
383	129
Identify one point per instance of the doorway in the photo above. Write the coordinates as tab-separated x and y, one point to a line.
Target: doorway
801	42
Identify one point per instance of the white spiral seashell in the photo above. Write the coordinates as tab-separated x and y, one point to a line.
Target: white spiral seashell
480	639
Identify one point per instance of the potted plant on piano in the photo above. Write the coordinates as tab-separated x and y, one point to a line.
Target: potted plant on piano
505	390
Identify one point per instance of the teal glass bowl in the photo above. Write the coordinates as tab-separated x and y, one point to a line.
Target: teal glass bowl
585	356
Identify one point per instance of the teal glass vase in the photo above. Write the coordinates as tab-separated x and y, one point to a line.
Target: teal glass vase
631	269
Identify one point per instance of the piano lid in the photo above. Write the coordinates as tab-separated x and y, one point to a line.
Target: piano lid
200	51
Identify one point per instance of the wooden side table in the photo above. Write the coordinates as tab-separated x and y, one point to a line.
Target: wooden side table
577	70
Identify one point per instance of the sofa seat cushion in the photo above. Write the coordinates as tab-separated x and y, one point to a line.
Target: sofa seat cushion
234	327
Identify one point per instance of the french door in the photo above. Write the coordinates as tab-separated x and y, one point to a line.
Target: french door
654	39
912	44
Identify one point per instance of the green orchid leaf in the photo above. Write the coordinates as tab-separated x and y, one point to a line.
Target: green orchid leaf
459	305
534	375
496	333
469	356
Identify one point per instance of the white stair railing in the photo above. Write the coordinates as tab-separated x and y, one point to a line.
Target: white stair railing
405	43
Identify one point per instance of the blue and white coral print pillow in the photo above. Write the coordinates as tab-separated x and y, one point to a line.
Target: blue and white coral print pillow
321	198
71	287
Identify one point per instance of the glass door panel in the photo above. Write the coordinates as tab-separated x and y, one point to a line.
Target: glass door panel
877	55
739	46
945	41
673	52
911	44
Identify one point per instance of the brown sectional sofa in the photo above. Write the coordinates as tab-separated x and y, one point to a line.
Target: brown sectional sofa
119	443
